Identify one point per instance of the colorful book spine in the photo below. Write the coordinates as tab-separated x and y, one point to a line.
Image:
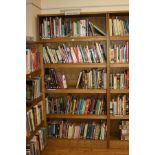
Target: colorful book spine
119	80
93	78
119	105
54	79
32	60
71	130
119	53
75	105
118	26
75	54
124	130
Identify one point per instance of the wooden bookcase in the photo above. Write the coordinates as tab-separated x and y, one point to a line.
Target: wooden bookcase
102	20
35	101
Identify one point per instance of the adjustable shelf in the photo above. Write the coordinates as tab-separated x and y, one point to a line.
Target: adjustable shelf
73	116
78	65
75	91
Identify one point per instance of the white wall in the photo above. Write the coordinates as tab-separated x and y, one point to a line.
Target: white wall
54	6
33	8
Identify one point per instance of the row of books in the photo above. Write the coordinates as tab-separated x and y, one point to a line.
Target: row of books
54	79
37	143
32	60
124	127
94	78
34	118
85	130
119	105
118	27
119	80
75	105
119	53
33	89
75	54
60	27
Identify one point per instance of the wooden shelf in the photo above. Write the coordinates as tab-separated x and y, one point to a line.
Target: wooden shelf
119	65
84	65
70	116
74	90
34	132
33	74
121	144
69	39
34	102
72	39
119	117
118	91
76	143
126	38
66	139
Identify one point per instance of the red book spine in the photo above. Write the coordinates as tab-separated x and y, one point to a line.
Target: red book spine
127	52
34	59
127	79
51	30
76	54
92	106
59	79
86	106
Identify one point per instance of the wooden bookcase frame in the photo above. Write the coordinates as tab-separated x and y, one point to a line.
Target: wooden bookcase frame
108	142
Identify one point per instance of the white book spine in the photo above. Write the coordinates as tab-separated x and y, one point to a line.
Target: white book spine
88	54
78	79
85	130
64	81
102	132
99	53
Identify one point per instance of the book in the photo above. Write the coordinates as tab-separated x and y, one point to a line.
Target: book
119	53
118	26
75	105
81	130
93	26
119	80
54	79
75	54
124	130
119	105
32	60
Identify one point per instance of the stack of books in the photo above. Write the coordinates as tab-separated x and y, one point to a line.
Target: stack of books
75	54
94	78
70	130
37	143
54	79
119	80
33	89
124	127
32	60
119	27
75	105
60	27
119	105
119	53
34	117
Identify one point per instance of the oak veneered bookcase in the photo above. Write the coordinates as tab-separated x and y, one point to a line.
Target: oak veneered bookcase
102	20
